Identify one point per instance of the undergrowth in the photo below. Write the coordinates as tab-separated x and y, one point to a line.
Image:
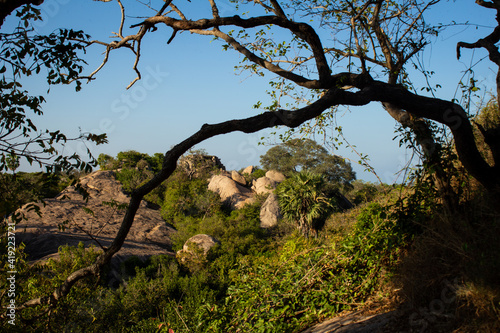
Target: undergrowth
282	286
440	269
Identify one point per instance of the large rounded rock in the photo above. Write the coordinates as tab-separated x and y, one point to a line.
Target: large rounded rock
238	178
270	212
201	241
263	185
230	192
248	170
194	252
69	219
276	176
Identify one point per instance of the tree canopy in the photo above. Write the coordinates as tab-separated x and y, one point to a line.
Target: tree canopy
306	155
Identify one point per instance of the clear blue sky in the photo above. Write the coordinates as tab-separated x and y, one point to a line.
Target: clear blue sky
192	81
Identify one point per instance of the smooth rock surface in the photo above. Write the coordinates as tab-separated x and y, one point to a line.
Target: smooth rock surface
230	192
238	178
270	212
68	220
263	185
248	170
275	176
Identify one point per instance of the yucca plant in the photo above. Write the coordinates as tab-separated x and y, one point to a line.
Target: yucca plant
302	200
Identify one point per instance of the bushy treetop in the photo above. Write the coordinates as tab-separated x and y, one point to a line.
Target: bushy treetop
307	155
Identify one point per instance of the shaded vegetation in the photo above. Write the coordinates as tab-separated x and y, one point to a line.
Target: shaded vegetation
395	250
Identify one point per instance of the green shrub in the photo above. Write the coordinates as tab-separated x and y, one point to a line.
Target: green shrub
72	313
160	295
190	198
363	192
22	187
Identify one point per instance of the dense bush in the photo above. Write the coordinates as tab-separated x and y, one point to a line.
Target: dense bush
307	280
74	312
188	198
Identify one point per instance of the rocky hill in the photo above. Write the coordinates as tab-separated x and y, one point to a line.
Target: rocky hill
69	219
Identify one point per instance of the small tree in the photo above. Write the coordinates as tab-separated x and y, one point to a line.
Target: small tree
302	200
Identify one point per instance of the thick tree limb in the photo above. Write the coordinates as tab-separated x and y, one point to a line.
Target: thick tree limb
486	4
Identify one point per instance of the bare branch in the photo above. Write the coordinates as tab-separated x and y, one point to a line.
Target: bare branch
300	80
266	7
137	57
122	21
215	10
302	30
277	9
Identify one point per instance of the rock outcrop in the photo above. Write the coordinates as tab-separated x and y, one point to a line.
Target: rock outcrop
196	165
264	185
230	192
248	170
68	219
275	176
238	178
270	212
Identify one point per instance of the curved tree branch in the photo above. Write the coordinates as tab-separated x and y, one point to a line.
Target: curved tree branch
302	30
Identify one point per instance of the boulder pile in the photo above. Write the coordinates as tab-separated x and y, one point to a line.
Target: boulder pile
235	191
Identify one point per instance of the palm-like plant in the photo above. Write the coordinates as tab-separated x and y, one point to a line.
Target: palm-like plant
302	200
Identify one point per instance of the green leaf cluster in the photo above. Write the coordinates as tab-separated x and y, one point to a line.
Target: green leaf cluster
57	56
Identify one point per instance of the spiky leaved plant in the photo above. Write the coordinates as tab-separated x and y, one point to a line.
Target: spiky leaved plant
302	200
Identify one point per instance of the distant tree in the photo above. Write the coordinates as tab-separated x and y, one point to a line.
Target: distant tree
106	162
306	155
303	200
135	168
129	158
199	164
